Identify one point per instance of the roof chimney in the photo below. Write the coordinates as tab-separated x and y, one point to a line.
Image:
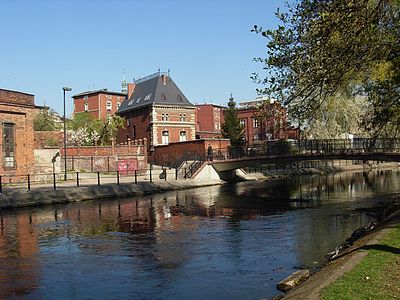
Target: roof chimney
131	87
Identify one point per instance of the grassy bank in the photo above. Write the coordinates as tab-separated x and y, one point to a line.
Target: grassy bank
375	277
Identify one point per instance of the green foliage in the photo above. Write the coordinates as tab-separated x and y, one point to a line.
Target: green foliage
80	120
375	277
324	48
52	142
231	127
44	121
86	130
339	115
108	128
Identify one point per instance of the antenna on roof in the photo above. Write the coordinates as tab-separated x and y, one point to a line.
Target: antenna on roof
159	71
169	71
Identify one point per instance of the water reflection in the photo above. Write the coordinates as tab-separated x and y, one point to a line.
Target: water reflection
185	244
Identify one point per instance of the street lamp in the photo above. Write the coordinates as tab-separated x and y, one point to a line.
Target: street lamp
65	89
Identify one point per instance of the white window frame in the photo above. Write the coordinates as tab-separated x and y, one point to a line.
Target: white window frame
182	136
243	122
165	137
256	123
109	105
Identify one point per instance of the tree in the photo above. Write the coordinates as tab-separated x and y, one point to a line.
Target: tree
107	129
44	121
85	130
231	128
324	48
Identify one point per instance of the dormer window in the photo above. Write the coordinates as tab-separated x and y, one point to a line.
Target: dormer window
179	98
163	97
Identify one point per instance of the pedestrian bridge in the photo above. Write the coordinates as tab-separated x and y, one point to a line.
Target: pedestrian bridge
288	152
221	165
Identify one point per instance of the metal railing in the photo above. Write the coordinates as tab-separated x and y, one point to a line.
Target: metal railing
55	181
296	147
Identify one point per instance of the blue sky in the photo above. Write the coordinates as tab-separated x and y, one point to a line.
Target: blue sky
86	44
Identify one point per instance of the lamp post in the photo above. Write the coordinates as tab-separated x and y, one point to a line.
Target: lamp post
65	89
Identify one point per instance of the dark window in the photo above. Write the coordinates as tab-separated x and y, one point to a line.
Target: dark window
9	145
133	131
163	97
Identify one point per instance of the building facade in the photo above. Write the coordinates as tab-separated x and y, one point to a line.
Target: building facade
17	111
209	118
157	110
263	120
98	103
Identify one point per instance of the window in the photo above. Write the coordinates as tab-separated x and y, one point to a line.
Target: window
133	131
85	97
165	137
179	98
256	123
86	106
9	145
242	122
128	123
118	105
182	117
163	97
109	105
164	117
182	136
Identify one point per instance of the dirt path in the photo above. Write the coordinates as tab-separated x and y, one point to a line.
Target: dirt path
311	289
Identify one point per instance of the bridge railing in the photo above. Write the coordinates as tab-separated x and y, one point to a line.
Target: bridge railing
295	147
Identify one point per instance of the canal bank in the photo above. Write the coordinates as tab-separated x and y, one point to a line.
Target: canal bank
311	289
18	197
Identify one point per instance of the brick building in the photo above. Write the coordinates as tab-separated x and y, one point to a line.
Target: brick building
17	111
156	109
263	120
209	118
99	103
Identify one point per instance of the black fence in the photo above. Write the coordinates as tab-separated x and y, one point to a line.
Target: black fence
295	147
76	179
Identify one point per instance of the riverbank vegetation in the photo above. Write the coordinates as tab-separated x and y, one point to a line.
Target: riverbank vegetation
334	63
375	277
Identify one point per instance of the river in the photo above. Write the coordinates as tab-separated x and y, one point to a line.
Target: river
234	241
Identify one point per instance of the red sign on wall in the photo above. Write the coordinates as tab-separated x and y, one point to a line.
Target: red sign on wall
126	166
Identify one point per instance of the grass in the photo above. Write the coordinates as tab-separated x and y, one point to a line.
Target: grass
377	276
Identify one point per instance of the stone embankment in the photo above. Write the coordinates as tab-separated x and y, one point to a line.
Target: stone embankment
18	197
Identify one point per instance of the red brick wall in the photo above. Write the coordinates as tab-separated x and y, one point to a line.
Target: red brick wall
138	119
275	126
42	138
169	154
103	163
207	117
133	148
22	118
97	104
17	98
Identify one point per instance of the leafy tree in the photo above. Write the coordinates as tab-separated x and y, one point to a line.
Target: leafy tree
231	128
85	130
324	48
107	129
44	121
80	120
